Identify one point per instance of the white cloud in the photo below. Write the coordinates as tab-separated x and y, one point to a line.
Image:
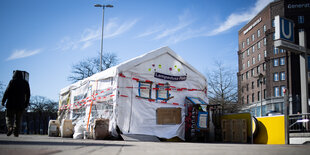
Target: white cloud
151	31
184	21
185	35
184	30
18	54
180	32
112	29
90	34
237	18
66	43
115	28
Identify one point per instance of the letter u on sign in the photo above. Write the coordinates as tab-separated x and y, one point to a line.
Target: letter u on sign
286	30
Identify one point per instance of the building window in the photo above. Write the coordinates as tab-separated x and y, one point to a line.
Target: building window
248	41
247	87
282	76
248	52
265	53
247	99
243	44
272	23
282	51
258	33
243	66
264	66
282	90
275	51
258	45
253	85
242	77
253	97
264	80
145	89
253	37
265	41
274	36
252	72
265	93
257	83
258	69
253	49
248	63
258	96
301	19
247	75
276	92
243	55
275	62
275	77
258	57
162	92
265	28
253	60
282	61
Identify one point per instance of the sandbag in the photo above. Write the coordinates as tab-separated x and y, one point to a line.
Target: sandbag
101	129
53	128
79	131
66	128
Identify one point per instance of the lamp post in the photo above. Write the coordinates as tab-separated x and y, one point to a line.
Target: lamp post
261	76
103	6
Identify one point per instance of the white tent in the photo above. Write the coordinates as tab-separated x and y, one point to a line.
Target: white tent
130	94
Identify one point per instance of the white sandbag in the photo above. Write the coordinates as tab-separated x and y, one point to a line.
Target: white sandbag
79	131
66	128
53	128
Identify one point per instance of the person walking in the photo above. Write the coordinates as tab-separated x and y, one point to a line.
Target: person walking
16	96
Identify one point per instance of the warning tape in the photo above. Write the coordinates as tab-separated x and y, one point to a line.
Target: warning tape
155	101
81	103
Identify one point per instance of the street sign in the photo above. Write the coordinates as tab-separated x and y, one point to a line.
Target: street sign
284	29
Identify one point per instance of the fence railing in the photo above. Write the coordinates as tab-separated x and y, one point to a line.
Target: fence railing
299	123
33	122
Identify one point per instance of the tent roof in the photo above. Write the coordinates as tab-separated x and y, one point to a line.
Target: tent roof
110	72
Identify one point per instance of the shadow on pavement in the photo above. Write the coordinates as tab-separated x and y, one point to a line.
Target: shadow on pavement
4	142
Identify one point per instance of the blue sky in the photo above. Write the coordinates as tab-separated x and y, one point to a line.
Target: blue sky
47	37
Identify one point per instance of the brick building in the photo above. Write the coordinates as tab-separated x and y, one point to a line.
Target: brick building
279	68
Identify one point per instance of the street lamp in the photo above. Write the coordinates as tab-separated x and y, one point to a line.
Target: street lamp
103	6
261	76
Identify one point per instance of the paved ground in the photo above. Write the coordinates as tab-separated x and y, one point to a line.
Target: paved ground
34	145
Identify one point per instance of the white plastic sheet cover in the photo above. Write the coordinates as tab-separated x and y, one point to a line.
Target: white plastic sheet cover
132	109
95	96
137	111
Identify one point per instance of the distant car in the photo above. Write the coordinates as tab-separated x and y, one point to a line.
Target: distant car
273	113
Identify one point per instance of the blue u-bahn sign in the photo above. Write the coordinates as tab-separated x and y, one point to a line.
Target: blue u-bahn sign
284	29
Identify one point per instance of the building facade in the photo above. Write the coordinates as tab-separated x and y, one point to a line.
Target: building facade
264	70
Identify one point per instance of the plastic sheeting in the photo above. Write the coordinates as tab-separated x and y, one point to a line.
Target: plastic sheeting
129	94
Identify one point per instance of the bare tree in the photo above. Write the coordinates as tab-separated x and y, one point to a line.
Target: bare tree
222	87
90	66
83	69
2	89
42	104
108	60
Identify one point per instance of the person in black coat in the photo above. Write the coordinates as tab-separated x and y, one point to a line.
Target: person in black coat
16	96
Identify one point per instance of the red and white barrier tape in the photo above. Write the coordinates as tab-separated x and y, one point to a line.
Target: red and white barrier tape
81	103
